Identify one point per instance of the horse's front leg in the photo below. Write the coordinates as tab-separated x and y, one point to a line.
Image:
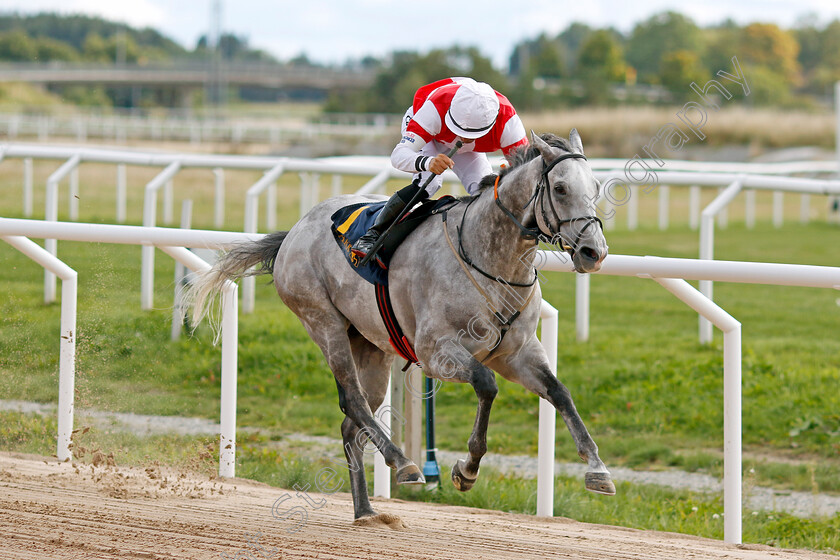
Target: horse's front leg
529	367
451	362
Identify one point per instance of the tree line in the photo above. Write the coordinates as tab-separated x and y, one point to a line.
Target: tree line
655	62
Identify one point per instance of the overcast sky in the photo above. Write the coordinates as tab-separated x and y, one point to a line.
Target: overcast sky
335	30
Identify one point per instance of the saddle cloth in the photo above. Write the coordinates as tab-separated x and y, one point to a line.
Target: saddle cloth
350	223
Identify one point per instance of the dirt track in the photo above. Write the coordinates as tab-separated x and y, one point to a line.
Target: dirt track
52	511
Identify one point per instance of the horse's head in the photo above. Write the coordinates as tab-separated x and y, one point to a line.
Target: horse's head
565	203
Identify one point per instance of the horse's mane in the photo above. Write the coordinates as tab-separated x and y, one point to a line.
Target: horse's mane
523	155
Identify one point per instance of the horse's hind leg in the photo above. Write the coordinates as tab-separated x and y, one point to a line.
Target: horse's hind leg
529	367
453	363
358	484
374	369
329	331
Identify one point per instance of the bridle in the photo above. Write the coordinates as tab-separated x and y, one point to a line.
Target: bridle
527	233
544	223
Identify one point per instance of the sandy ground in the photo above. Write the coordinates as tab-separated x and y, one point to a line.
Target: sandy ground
61	511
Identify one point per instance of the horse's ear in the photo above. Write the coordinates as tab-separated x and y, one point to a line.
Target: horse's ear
577	143
542	146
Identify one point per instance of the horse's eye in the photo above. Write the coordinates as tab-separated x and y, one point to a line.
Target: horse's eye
560	189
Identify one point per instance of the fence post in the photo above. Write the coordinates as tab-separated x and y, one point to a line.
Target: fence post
805	209
67	336
121	193
582	306
381	472
178	311
723	215
694	207
27	187
168	203
778	208
336	185
51	214
664	195
219	208
251	222
731	399
413	412
548	417
147	266
271	207
707	244
73	199
633	207
749	209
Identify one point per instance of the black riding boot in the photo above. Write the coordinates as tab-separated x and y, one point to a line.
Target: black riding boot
389	213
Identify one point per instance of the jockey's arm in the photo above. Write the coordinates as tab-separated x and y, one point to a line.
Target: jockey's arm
406	156
513	138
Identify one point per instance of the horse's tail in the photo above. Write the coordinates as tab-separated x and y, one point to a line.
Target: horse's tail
249	258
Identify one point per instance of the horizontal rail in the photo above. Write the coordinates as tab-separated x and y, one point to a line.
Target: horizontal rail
778	274
127	235
674	172
760	182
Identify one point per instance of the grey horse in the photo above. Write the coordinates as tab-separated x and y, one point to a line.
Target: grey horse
463	326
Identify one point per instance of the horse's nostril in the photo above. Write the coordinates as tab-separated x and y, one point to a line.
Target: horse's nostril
589	253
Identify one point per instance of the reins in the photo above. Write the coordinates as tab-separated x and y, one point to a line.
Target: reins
506	322
538	198
462	253
525	232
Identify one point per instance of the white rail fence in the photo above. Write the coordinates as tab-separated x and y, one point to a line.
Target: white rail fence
731	177
124	128
669	272
734	183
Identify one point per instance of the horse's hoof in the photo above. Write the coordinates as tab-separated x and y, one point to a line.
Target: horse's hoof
461	481
381	520
600	483
410	474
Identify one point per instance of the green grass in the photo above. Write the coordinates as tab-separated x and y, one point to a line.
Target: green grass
635	505
649	393
642	380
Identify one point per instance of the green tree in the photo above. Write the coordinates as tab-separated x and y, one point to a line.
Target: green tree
548	62
17	46
722	43
74	30
122	48
600	63
808	35
541	57
828	70
656	37
601	55
768	46
394	87
570	41
766	86
679	69
95	49
52	50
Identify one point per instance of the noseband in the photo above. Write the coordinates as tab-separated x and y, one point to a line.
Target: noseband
539	198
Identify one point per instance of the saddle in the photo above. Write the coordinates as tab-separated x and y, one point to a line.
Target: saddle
350	223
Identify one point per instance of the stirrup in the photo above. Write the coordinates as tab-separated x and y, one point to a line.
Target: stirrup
364	244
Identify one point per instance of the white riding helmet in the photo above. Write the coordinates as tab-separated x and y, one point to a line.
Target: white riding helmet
473	110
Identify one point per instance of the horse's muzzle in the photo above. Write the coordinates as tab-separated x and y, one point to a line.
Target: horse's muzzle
588	259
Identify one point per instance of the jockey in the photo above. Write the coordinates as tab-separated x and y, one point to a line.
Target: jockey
442	113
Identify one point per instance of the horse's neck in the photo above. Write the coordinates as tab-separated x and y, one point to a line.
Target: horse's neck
492	240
